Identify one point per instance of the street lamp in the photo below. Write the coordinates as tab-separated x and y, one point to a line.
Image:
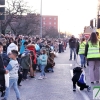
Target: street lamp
41	20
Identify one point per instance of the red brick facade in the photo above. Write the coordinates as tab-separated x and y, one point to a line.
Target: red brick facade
50	21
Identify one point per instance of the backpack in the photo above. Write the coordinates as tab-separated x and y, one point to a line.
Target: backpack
82	78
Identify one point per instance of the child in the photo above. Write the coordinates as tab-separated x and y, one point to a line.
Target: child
79	79
13	68
25	63
2	72
43	62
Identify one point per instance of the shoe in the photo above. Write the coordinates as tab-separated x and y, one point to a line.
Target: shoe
18	99
40	78
70	59
92	82
52	70
84	66
44	77
19	85
32	76
89	89
74	89
26	79
97	82
4	99
2	95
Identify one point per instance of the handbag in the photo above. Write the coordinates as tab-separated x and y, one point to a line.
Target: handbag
7	80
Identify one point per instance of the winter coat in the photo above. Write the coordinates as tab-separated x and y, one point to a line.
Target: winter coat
2	70
26	61
43	59
22	48
12	46
31	47
72	43
77	72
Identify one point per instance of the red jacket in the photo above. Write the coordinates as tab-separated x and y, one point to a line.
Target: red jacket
31	47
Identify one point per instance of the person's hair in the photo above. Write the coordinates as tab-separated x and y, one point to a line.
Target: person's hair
31	52
15	52
1	44
29	41
11	39
93	38
25	43
83	39
97	33
44	51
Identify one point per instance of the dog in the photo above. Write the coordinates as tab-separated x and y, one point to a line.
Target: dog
79	79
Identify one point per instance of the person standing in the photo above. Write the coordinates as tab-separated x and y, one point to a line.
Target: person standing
2	72
92	53
81	51
43	62
72	46
13	68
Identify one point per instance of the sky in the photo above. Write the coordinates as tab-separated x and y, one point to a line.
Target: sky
73	14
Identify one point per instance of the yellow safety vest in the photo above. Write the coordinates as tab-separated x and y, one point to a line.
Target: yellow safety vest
82	48
93	50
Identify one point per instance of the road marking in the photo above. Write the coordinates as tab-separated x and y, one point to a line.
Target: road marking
65	64
85	96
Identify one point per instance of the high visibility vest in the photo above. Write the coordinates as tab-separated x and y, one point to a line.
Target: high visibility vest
93	50
82	48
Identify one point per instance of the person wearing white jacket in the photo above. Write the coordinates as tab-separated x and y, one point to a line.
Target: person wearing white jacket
12	46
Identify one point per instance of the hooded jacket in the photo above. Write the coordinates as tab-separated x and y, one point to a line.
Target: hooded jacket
12	46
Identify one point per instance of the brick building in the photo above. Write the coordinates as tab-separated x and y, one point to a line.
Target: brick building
50	21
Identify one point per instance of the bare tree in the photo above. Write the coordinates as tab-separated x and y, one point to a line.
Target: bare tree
14	11
28	24
51	32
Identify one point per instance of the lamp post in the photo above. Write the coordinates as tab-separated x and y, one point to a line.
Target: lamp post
41	20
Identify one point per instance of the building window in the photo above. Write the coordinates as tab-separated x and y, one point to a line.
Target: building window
54	18
44	23
44	18
50	23
50	18
54	23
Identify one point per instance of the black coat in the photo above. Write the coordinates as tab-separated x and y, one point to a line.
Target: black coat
72	43
2	69
76	74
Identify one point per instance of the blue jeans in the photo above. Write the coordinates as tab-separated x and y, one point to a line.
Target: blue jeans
12	83
82	58
43	70
71	51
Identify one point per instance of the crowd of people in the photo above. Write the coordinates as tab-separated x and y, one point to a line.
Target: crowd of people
21	56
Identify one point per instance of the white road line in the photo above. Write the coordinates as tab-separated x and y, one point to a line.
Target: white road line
85	96
65	64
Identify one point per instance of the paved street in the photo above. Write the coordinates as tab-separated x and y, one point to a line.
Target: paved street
57	86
